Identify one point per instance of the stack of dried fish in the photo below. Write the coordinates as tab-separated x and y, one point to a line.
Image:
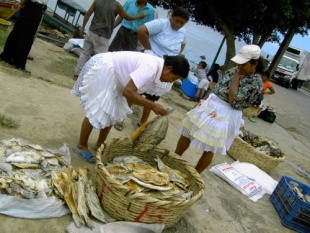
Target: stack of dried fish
76	188
162	182
25	169
261	144
30	171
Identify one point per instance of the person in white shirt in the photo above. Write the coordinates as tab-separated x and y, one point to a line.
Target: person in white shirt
203	84
110	82
161	37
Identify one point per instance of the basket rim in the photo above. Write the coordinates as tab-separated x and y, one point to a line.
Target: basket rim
141	197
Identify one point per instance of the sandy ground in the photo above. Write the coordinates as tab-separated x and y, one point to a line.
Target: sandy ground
50	116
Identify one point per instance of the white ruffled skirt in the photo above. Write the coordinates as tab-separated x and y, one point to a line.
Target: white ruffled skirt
100	93
210	133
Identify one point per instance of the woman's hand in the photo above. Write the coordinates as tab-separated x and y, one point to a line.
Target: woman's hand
159	110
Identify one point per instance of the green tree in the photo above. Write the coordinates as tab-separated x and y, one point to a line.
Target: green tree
250	21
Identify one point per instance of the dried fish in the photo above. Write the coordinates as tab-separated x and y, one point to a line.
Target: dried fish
150	133
173	174
19	190
25	165
127	159
93	202
69	198
80	186
6	167
146	173
151	186
25	157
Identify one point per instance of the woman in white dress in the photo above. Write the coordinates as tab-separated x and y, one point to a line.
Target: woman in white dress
110	82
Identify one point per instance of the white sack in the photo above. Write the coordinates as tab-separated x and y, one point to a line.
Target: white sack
37	208
252	171
244	184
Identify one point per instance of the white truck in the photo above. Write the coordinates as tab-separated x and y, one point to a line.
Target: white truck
294	68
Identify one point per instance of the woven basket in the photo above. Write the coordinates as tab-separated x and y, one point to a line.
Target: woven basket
126	205
244	152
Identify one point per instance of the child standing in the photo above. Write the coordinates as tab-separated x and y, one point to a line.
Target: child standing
203	81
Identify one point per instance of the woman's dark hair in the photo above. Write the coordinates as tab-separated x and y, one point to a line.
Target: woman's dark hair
260	64
181	12
180	65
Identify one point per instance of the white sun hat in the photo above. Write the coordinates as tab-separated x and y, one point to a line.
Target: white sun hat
247	53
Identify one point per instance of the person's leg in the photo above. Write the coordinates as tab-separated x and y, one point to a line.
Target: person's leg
202	93
31	17
119	40
182	145
204	161
86	129
100	43
102	136
86	54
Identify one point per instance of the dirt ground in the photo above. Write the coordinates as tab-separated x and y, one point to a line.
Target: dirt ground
50	116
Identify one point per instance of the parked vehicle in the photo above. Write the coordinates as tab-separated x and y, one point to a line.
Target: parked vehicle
294	68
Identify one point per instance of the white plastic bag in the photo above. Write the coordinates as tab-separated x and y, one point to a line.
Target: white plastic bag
118	227
37	208
252	171
244	184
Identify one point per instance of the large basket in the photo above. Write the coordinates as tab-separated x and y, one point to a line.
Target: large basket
126	205
244	152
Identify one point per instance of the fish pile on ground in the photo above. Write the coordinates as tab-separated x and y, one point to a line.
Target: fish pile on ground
261	144
163	182
31	171
25	169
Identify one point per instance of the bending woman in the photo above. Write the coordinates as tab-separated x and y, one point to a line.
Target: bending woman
213	125
110	82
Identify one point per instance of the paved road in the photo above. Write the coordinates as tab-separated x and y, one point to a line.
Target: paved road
293	111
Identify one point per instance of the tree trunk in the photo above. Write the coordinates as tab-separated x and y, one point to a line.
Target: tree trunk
283	46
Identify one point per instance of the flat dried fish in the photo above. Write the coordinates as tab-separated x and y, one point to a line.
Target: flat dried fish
151	186
151	133
69	198
173	174
127	159
147	173
25	157
93	202
133	186
26	165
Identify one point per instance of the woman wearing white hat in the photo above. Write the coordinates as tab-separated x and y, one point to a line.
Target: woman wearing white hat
214	123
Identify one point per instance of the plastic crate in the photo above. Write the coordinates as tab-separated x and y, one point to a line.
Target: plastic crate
294	212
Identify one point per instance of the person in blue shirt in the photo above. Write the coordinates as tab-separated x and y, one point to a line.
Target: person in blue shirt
126	38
